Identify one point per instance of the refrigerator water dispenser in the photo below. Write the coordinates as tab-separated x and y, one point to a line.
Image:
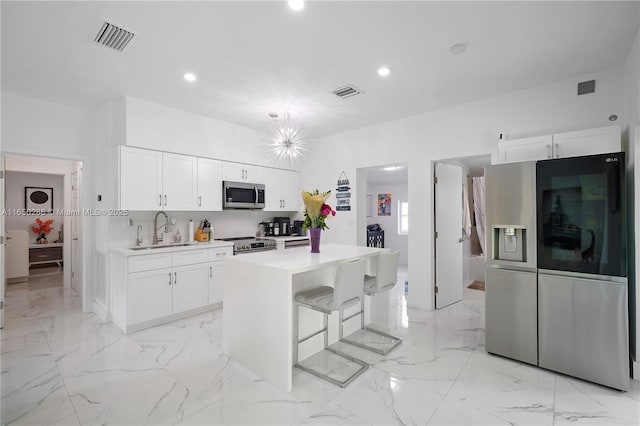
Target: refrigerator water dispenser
510	243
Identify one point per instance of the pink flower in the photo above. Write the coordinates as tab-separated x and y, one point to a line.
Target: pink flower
333	213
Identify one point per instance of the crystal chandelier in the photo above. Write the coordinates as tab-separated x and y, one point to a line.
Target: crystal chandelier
288	140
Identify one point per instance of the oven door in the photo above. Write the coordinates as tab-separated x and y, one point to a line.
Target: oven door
241	195
581	218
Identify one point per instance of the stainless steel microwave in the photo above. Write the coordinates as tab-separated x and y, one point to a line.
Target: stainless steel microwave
242	195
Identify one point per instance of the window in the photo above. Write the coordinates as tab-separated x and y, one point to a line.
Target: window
403	217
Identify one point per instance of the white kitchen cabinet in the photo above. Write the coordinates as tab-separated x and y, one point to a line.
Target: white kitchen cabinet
561	145
179	182
150	289
238	172
154	180
216	282
282	190
190	287
602	140
525	149
209	184
150	295
140	179
216	273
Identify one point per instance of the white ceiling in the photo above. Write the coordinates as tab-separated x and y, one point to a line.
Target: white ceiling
379	176
255	57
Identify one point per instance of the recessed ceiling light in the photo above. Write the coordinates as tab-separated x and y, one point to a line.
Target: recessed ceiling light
190	77
392	168
458	49
384	71
296	4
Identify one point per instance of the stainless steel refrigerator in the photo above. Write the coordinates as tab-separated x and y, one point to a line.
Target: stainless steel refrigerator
556	271
510	274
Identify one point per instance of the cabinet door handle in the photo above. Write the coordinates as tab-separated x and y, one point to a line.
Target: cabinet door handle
199	200
160	200
169	278
175	278
283	204
556	148
221	254
165	199
549	156
210	271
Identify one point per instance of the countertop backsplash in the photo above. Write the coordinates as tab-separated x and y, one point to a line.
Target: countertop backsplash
226	224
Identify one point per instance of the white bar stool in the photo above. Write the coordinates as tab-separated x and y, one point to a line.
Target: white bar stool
347	291
384	280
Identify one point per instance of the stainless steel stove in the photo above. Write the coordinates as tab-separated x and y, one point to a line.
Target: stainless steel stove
250	244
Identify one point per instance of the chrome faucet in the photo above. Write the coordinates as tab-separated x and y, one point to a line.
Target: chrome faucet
157	239
138	237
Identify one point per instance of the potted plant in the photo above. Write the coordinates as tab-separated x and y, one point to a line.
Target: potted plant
316	213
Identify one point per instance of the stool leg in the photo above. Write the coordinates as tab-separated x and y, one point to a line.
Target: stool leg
341	319
395	341
325	319
295	335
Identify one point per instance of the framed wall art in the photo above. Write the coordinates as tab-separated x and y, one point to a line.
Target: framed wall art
40	199
384	204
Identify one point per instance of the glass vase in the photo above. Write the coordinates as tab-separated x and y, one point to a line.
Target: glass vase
314	234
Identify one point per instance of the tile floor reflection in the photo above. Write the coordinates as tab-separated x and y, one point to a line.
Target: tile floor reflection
63	367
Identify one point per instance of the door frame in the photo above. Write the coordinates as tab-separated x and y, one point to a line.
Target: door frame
493	156
85	225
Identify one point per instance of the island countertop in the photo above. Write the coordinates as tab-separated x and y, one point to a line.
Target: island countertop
300	259
261	323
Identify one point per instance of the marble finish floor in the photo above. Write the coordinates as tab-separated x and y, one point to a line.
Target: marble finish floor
63	367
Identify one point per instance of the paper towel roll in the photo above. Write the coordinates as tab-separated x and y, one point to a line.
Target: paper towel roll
191	232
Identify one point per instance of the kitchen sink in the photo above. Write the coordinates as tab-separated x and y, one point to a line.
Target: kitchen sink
160	246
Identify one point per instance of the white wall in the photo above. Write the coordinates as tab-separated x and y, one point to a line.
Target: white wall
46	129
389	224
15	186
465	130
154	126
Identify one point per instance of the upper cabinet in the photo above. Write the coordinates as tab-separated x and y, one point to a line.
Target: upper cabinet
154	180
282	190
179	181
237	172
209	184
140	179
569	144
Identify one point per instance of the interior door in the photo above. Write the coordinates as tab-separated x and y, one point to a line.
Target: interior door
3	272
448	241
76	277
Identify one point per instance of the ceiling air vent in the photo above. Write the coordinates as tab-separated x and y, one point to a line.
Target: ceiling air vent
114	36
347	91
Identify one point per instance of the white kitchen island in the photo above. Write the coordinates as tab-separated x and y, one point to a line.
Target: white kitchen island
259	314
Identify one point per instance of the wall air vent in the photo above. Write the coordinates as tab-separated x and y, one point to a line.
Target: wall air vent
586	87
114	36
347	91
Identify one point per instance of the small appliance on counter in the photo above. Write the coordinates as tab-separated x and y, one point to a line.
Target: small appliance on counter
298	228
265	229
250	244
282	226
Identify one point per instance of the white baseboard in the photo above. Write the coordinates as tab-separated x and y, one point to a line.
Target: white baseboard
101	312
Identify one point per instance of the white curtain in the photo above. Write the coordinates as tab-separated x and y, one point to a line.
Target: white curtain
478	208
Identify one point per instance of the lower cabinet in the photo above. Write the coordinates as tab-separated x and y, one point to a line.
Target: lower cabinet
150	295
150	288
216	282
190	287
216	272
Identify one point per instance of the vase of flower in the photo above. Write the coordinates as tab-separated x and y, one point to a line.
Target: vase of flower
42	228
315	214
314	235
